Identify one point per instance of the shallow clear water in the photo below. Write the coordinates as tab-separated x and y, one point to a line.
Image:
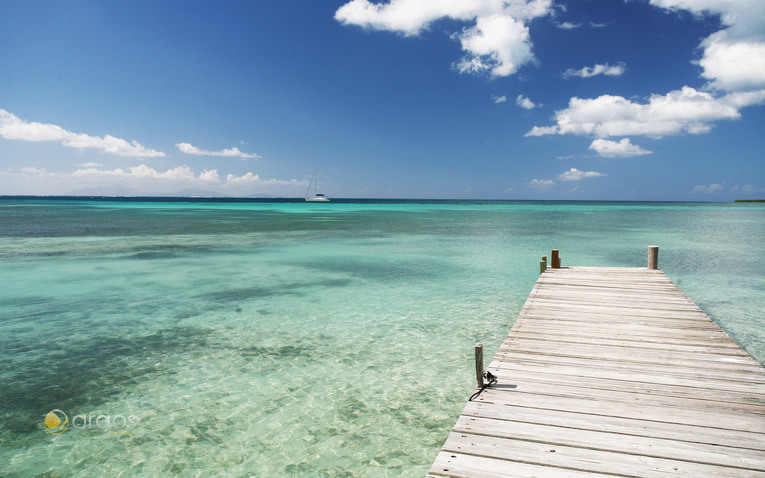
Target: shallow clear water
294	339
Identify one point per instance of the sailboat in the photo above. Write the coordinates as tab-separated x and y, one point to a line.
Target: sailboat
316	197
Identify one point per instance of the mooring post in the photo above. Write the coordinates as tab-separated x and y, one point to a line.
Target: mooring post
555	260
479	364
543	265
653	257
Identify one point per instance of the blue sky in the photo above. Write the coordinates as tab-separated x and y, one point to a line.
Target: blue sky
491	99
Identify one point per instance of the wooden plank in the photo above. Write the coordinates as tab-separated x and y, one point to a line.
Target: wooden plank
733	420
657	373
614	442
692	346
613	372
748	439
587	459
753	407
629	332
721	390
458	464
738	369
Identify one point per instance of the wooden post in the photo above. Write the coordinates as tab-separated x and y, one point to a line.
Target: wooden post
653	257
542	267
479	364
554	260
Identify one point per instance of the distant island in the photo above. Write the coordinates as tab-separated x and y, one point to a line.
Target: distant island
749	200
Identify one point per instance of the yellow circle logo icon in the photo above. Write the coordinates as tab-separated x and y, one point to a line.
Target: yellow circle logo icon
56	422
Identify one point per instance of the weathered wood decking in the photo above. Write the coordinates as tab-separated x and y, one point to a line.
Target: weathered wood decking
613	371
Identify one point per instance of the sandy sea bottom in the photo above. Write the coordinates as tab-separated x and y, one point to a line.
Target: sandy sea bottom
289	339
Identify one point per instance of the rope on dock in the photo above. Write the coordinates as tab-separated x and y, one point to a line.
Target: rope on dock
490	380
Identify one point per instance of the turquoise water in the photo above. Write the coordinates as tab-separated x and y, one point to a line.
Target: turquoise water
294	339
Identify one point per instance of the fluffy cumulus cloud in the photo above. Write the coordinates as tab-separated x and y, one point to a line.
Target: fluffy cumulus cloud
571	175
732	62
711	189
12	127
144	180
681	111
541	183
598	69
733	58
497	43
226	153
574	174
141	171
250	179
617	149
733	66
525	103
499	99
184	174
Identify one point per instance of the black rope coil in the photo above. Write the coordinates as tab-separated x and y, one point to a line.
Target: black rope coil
490	380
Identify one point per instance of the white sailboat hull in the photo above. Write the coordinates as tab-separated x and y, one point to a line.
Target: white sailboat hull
316	197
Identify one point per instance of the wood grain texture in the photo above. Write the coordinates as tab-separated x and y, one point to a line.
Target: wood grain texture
613	372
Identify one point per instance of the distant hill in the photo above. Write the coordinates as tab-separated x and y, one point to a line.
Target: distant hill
105	191
184	193
195	193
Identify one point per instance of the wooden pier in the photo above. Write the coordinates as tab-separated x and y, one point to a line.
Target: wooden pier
612	372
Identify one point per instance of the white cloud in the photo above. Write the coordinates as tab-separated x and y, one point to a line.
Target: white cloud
733	63
143	180
409	17
525	103
542	130
733	66
209	175
574	174
255	179
741	99
141	171
541	183
733	58
90	165
598	69
33	170
12	127
497	44
568	25
711	189
748	188
612	149
230	153
499	99
184	174
681	111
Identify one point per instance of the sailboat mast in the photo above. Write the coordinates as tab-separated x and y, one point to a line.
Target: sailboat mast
308	191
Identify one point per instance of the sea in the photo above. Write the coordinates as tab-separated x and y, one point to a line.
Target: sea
200	337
